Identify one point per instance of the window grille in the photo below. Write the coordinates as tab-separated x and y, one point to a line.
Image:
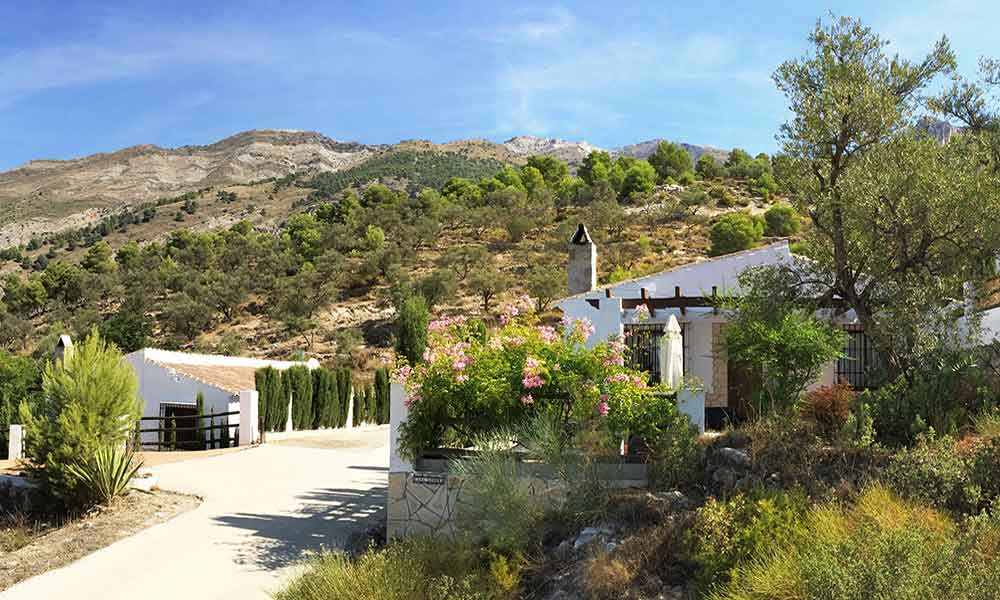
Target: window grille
860	360
643	343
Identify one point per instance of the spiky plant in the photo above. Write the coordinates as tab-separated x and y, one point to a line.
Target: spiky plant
105	476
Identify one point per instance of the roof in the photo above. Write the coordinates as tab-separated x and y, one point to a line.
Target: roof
697	277
230	379
228	373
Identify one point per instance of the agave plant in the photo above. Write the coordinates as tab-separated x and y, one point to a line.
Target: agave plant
106	475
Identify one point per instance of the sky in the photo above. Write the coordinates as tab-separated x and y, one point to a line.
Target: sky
82	77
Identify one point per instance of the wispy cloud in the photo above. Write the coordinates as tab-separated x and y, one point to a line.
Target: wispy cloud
529	26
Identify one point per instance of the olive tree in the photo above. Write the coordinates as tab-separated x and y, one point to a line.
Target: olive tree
898	220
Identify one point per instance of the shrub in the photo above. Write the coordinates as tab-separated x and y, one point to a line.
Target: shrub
411	569
734	232
781	220
987	422
90	401
693	197
828	407
936	473
744	528
671	440
105	475
686	178
476	380
344	388
879	548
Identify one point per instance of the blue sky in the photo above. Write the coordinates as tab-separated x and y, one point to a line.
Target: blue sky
83	77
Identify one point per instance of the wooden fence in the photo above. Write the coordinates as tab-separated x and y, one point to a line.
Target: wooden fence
192	432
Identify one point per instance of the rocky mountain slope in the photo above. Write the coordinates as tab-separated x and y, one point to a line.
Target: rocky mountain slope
49	196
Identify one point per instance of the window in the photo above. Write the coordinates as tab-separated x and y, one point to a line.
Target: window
860	360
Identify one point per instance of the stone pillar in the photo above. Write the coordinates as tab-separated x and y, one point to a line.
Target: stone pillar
582	262
397	415
249	408
15	443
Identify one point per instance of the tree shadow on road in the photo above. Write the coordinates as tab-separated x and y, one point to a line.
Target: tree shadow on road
329	519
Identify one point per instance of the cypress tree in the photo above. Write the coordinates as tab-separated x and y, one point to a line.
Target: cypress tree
344	388
370	412
334	399
358	409
300	384
215	432
382	394
261	384
172	439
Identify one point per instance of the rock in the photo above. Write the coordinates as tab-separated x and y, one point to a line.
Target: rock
589	534
564	551
674	498
737	458
725	477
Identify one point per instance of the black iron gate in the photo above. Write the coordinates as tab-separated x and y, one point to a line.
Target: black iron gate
643	343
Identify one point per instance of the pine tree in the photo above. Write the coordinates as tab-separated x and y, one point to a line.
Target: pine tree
382	394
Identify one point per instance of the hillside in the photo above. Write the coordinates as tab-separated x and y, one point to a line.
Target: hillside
226	253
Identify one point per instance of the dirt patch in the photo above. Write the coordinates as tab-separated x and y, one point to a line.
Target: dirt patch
51	547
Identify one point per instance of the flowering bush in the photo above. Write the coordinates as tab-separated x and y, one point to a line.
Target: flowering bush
473	380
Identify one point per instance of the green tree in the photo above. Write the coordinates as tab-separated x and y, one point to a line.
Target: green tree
128	329
894	231
733	232
300	382
552	169
669	160
781	220
639	179
707	167
488	281
412	318
90	400
596	167
20	381
774	328
99	258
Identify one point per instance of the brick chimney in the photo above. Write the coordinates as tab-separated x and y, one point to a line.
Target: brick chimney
582	262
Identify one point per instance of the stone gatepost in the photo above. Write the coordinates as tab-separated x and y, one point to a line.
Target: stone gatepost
15	444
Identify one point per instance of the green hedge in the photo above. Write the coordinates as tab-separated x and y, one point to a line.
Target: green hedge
320	398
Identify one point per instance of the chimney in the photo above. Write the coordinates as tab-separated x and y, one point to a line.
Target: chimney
582	262
63	347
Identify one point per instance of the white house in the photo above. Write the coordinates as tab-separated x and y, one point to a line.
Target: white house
169	383
686	293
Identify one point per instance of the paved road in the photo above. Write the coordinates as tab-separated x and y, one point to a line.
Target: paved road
263	509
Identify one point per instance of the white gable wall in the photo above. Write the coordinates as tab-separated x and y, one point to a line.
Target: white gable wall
158	386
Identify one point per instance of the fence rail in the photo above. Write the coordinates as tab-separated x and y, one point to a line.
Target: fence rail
167	433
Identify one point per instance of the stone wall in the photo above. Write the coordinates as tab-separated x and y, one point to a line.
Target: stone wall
429	502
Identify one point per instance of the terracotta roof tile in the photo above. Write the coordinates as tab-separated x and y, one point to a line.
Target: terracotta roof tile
228	378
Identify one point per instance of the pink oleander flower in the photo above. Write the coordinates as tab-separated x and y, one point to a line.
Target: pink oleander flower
618	378
548	334
462	378
527	400
495	343
602	407
411	399
514	341
532	381
401	374
584	327
613	360
641	312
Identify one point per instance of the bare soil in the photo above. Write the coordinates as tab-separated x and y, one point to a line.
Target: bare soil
153	459
43	546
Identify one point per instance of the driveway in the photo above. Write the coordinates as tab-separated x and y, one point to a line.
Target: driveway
264	508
